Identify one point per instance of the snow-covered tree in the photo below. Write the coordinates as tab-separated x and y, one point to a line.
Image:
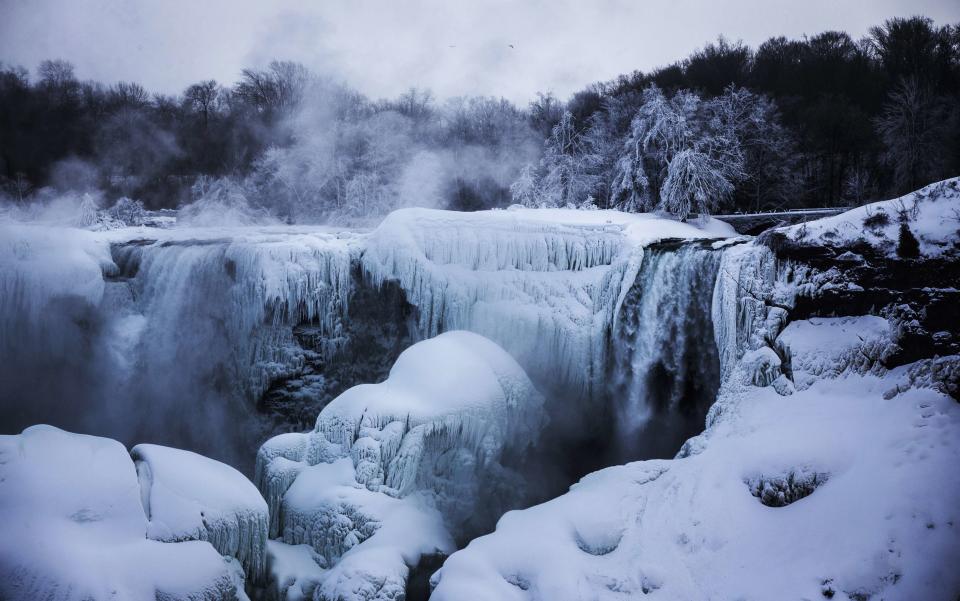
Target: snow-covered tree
569	166
128	211
695	182
525	189
660	129
751	136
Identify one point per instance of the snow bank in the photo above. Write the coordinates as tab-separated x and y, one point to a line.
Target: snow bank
74	528
855	472
190	497
543	283
932	213
392	469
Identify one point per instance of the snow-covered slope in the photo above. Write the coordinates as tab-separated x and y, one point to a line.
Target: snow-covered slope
852	452
74	528
932	213
881	521
393	470
190	497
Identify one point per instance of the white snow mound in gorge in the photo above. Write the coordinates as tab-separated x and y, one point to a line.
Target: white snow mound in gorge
392	470
74	528
543	283
187	496
831	491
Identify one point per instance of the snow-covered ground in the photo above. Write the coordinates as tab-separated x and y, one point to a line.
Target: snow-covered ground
880	520
932	214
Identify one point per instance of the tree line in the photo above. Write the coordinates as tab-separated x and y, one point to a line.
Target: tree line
820	121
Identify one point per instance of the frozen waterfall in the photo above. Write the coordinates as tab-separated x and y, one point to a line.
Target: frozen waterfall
664	368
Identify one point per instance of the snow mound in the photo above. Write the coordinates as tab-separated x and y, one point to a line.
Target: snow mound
843	477
393	470
932	213
187	496
74	528
543	283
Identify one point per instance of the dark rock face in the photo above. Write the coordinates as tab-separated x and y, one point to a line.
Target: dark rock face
918	295
379	327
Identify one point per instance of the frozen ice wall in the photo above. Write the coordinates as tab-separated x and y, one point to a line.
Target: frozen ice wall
544	284
171	339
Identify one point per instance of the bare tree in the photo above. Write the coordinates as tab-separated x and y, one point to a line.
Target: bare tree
913	128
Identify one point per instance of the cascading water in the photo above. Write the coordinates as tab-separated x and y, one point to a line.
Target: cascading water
665	369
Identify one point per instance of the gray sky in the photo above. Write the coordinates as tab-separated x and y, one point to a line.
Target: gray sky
383	47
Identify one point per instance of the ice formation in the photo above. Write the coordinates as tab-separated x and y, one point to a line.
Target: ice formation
544	284
393	470
247	289
38	266
74	528
190	497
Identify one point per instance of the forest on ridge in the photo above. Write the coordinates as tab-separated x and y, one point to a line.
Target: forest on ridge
826	120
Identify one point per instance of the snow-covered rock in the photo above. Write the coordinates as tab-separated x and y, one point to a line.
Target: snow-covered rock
931	213
191	497
393	471
856	473
74	528
827	346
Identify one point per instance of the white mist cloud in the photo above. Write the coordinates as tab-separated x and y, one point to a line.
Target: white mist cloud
383	47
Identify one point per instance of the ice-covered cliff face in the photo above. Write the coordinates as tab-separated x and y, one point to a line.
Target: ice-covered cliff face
544	284
203	322
838	362
114	333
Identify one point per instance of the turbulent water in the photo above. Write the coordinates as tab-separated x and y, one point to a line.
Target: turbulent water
665	370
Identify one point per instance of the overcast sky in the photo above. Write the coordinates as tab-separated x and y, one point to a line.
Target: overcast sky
383	47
